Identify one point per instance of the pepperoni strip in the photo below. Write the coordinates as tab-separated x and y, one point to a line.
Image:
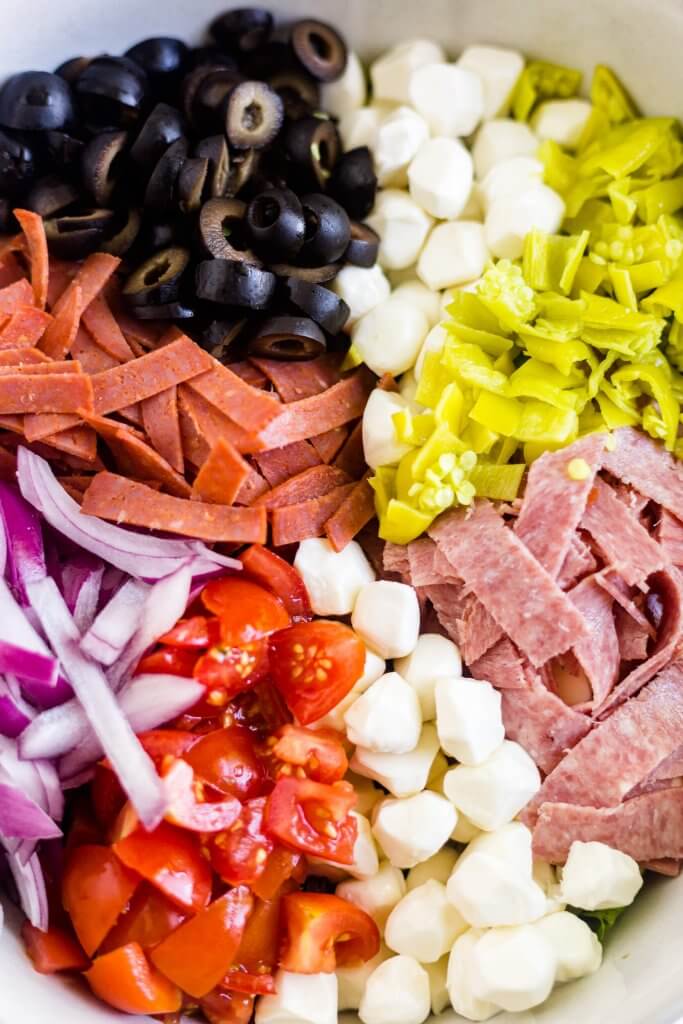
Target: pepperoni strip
25	328
279	464
355	511
147	376
136	458
41	392
294	523
309	417
159	414
222	475
312	483
294	381
61	333
207	425
14	296
106	333
22	356
36	240
247	406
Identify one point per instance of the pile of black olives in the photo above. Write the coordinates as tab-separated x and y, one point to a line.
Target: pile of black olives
212	172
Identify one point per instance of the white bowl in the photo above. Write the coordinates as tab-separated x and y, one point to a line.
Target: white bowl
641	981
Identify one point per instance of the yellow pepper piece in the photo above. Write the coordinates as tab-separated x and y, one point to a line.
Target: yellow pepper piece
401	523
542	80
383	484
541	422
609	95
500	483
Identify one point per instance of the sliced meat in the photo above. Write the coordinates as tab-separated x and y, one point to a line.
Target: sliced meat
222	476
15	295
554	502
598	655
521	596
252	488
622	751
103	327
202	425
350	458
41	392
279	464
670	537
642	462
355	512
87	283
663	866
135	458
89	353
126	502
626	545
340	404
79	441
395	558
294	523
633	637
312	483
60	334
421	554
156	371
34	232
22	356
162	426
504	666
328	444
635	502
249	407
24	328
294	381
542	723
447	600
478	630
579	562
250	373
624	596
647	828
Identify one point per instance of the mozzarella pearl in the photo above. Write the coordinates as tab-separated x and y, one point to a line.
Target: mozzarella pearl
449	97
413	829
299	999
510	220
499	140
434	656
562	121
332	578
424	924
576	948
380	444
440	177
408	388
438	868
394	319
401	774
402	226
513	967
460	979
498	70
544	875
386	718
454	253
377	895
424	298
438	987
596	877
399	137
359	127
348	92
373	668
508	178
465	831
352	980
397	992
468	720
391	73
434	342
367	794
361	288
491	792
387	617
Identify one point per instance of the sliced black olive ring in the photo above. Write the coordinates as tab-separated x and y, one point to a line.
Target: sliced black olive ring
220	337
312	146
101	164
353	182
160	191
364	245
222	228
166	311
157	280
160	56
288	337
254	115
51	194
75	236
215	150
298	91
314	275
164	126
233	283
275	219
244	28
112	90
320	304
120	242
320	48
210	99
36	101
191	183
328	230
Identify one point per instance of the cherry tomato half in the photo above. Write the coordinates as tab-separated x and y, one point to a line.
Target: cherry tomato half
171	860
148	920
239	854
319	752
53	950
96	887
246	611
227	760
227	1007
127	981
313	818
195	633
173	661
322	932
273	572
228	670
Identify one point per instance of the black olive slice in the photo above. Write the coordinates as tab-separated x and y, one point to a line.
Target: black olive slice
111	91
63	150
242	29
70	69
164	126
157	280
160	192
364	245
254	115
162	57
321	49
210	99
216	151
314	275
297	90
328	230
312	147
79	234
220	336
243	166
36	101
288	338
354	183
160	235
320	304
16	163
275	219
165	311
235	284
121	241
201	55
51	194
101	164
223	231
191	182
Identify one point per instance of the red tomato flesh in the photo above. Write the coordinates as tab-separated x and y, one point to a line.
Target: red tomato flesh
126	980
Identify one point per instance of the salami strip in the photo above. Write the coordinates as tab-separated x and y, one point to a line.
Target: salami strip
642	462
477	629
312	483
294	381
447	600
250	408
93	358
147	376
22	356
101	323
36	240
136	458
542	723
504	667
250	373
598	655
355	511
122	501
647	828
279	464
579	562
340	404
622	595
626	545
295	523
670	537
421	555
203	425
15	295
396	559
252	488
222	475
40	392
79	441
24	328
60	334
633	638
162	426
350	458
328	444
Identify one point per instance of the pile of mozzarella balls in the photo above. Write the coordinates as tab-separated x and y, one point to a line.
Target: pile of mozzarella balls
460	184
468	917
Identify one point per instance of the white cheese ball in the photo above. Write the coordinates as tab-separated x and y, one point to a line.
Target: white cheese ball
468	719
465	830
434	342
437	868
460	979
544	874
498	69
413	829
359	127
402	226
499	140
400	134
390	74
491	792
378	895
509	220
381	447
434	656
386	617
367	794
388	339
513	967
438	984
373	668
449	97
352	980
424	924
408	389
348	92
508	178
596	877
424	298
361	288
333	579
440	177
401	774
455	253
386	718
299	999
576	948
561	121
365	860
397	992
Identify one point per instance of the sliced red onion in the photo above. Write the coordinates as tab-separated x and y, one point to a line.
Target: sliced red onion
23	774
22	818
12	719
140	555
30	884
54	797
134	768
44	697
54	731
31	665
147	701
85	609
25	556
116	624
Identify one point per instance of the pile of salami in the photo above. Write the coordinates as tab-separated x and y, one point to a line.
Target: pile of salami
146	428
571	604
